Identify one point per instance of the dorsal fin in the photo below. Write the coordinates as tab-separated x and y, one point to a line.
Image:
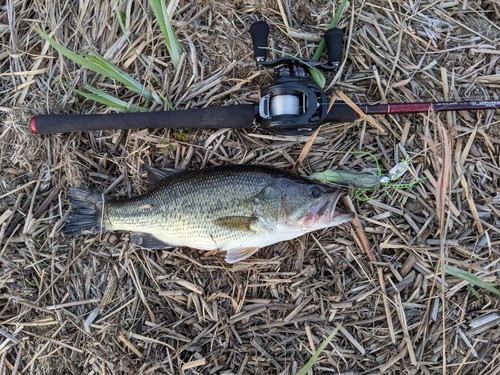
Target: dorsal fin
157	175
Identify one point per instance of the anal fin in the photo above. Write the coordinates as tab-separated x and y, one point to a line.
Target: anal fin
147	241
236	255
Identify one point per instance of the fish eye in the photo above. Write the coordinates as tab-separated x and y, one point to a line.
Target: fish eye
315	192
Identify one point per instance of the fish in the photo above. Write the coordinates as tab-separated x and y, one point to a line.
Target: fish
238	209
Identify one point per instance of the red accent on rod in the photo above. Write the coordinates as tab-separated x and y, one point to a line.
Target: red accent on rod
422	107
409	107
33	125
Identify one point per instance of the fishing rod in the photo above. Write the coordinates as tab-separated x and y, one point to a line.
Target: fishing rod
292	105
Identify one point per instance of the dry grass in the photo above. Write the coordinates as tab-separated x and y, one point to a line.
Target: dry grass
98	305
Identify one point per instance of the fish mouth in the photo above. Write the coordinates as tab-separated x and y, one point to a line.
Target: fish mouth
333	205
341	217
338	217
326	212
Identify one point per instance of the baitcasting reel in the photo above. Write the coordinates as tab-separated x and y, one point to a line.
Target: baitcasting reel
293	103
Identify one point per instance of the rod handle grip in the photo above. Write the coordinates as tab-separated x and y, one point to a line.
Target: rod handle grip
340	112
233	116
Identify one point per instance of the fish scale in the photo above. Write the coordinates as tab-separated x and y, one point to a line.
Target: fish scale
182	214
237	208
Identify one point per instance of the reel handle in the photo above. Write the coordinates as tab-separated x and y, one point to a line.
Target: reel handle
333	40
259	31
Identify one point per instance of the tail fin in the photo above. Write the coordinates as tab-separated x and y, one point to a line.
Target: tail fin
86	212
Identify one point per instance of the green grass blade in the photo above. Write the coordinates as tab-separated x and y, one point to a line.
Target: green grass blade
165	100
474	291
333	23
68	53
121	17
98	64
102	97
159	9
317	76
316	354
472	279
114	72
117	102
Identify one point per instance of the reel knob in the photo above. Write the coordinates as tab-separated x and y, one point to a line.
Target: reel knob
259	31
333	40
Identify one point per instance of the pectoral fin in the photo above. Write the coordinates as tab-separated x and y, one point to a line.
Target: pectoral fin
235	255
147	241
242	223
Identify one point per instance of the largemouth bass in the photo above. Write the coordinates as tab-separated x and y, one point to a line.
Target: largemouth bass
237	208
